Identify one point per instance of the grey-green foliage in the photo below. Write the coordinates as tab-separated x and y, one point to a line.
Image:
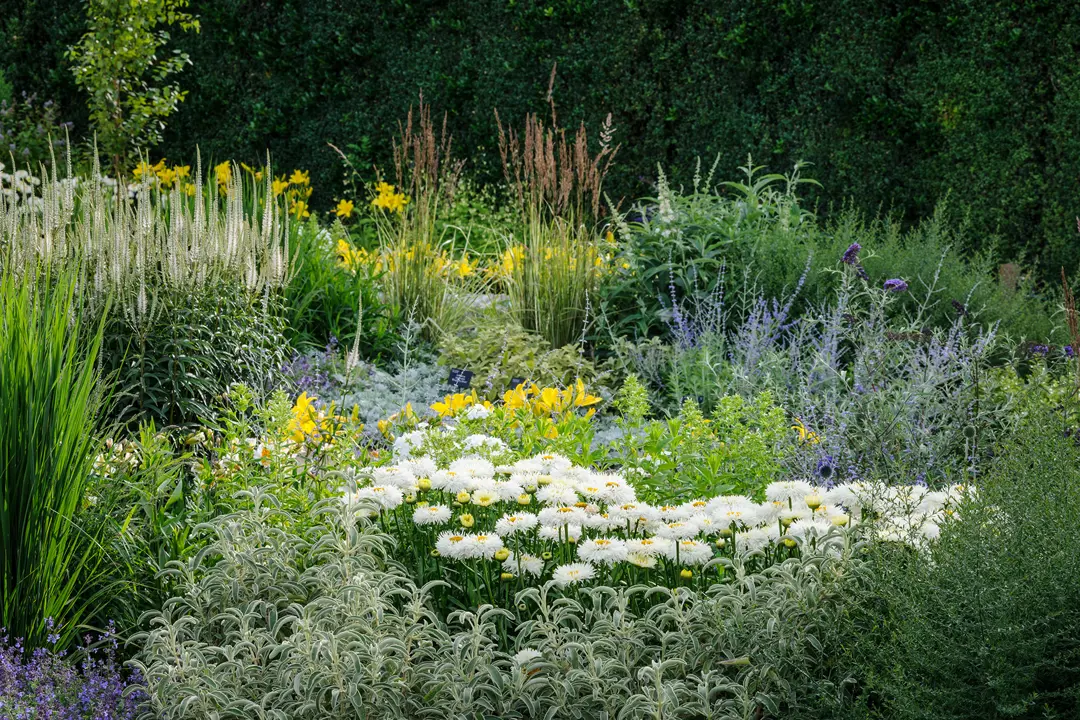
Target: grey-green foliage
379	393
268	624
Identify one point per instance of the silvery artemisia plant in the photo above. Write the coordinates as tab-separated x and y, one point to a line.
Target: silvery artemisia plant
883	393
267	623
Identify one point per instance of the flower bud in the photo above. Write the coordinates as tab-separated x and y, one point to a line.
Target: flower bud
467	520
462	497
813	501
424	483
506	577
524	499
501	554
685	574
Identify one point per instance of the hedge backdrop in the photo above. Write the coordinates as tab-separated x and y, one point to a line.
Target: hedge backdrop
897	103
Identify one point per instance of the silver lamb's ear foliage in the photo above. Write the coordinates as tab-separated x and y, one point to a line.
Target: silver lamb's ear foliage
363	640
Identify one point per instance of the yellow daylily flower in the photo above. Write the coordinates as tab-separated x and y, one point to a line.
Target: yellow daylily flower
344	209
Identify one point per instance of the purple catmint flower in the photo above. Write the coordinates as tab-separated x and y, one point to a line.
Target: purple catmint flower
851	255
1069	352
896	285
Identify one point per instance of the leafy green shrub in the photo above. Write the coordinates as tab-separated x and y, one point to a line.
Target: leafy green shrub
499	351
986	624
51	406
325	299
754	239
177	364
122	65
30	132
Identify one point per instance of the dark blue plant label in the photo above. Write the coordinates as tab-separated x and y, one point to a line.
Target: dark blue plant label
460	379
515	381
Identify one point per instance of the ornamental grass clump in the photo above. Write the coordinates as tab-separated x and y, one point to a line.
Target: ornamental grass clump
50	404
422	276
554	259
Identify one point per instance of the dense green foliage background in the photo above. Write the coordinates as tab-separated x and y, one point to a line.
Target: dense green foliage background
896	102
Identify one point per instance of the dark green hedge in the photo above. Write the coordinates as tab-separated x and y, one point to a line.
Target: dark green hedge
896	102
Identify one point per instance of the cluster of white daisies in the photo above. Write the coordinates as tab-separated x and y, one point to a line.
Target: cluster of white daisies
529	514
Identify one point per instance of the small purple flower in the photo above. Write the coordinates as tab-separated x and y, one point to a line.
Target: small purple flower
851	255
1069	352
896	285
1041	350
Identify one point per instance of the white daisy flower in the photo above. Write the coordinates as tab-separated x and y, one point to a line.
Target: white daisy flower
646	546
387	497
421	466
473	467
483	546
485	498
634	512
450	481
431	515
640	560
605	551
508	490
558	533
394	475
558	492
562	515
572	574
806	529
788	490
672	513
600	521
676	529
529	564
750	540
690	552
515	523
453	545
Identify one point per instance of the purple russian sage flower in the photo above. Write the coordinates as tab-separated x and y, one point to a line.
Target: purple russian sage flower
851	255
896	285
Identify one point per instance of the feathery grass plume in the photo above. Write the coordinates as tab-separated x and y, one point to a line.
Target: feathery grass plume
423	276
50	405
554	259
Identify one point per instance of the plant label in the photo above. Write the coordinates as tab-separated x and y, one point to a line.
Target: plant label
460	379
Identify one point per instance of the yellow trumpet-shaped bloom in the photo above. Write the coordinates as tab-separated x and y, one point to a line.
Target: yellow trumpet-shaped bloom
451	405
